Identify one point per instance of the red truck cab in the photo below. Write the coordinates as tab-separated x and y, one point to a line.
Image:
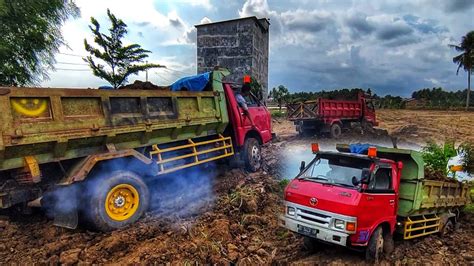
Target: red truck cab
342	198
248	139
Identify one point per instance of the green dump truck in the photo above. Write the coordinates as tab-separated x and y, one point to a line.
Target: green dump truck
91	151
361	196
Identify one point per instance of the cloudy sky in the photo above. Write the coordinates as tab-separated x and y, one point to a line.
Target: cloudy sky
393	46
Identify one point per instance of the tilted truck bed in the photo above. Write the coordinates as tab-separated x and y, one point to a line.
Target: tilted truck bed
58	124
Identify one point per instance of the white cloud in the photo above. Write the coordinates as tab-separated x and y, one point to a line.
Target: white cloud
205	20
189	36
433	81
203	3
257	8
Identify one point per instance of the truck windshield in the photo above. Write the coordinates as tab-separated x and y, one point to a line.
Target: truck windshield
336	170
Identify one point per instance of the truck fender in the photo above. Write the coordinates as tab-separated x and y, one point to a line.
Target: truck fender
386	225
84	167
444	218
334	121
254	134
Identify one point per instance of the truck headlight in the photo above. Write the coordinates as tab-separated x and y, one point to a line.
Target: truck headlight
291	211
339	224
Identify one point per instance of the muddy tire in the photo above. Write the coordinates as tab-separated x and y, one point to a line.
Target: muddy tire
375	248
335	131
252	155
388	243
304	132
115	200
311	244
368	126
447	229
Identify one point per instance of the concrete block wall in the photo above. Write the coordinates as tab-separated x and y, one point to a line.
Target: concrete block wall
241	45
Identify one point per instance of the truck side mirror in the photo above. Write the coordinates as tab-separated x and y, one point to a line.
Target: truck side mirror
399	165
364	179
355	181
302	166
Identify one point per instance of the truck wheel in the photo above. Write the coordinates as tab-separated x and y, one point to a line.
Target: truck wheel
368	126
310	244
303	132
375	247
388	243
448	228
252	155
336	130
116	200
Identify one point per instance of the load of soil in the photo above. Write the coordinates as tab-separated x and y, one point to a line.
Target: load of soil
240	225
143	85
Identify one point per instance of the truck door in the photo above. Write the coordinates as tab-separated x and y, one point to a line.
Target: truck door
379	200
259	114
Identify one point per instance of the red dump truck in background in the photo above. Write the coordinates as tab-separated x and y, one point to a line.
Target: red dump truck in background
331	116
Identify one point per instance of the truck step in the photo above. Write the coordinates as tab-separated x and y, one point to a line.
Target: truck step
421	225
191	154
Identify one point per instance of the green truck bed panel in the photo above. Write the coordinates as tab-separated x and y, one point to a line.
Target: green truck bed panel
417	194
55	124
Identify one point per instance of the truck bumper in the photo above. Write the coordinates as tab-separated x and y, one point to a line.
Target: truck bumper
321	233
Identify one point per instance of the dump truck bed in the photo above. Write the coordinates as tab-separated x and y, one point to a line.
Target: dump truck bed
324	109
419	195
57	124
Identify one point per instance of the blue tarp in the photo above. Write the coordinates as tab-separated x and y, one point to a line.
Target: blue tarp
192	83
359	148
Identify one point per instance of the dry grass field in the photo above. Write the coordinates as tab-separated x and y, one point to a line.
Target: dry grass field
420	126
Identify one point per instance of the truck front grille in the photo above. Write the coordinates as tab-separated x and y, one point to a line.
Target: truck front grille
312	217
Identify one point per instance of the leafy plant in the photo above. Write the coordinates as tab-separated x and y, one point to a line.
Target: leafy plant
466	150
31	36
256	88
280	94
436	156
283	183
122	60
277	114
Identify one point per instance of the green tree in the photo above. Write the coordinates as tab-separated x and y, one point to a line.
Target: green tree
122	60
30	37
436	157
280	94
465	59
256	88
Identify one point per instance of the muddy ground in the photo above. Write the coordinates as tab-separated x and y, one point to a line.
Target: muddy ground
232	218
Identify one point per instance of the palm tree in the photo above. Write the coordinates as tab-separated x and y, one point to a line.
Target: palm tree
465	59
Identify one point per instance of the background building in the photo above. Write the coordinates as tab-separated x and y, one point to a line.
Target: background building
241	45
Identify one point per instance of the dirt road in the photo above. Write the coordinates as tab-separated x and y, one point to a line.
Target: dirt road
234	220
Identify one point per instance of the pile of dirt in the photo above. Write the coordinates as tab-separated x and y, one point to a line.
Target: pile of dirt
143	85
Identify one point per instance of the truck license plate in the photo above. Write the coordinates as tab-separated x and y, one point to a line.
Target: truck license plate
307	231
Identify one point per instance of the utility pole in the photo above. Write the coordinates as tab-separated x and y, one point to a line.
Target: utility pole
146	73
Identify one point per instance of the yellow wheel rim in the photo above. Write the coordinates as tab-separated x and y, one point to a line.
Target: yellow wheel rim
122	202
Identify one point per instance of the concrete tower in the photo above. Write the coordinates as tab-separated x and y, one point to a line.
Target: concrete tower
241	45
